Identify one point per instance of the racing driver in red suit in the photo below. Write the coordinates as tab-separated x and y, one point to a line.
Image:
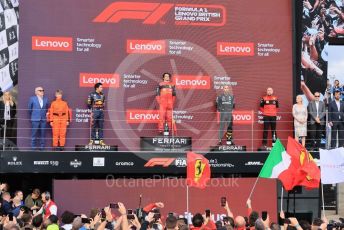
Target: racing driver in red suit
165	95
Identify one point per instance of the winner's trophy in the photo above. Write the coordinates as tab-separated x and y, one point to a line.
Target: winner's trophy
229	140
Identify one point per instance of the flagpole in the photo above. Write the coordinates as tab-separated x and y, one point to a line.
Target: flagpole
187	202
322	198
254	186
282	198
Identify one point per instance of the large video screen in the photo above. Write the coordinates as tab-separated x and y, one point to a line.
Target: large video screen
335	64
128	45
322	23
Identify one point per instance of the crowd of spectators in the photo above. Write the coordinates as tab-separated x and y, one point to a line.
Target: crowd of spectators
323	120
39	212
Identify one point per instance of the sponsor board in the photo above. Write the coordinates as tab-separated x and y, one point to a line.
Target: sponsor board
142	116
231	148
124	163
254	163
149	13
146	46
235	48
75	163
14	162
166	143
152	13
216	163
52	43
199	15
90	79
164	162
46	163
243	117
191	82
98	161
180	162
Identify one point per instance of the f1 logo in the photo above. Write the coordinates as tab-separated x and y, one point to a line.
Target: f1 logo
164	162
150	13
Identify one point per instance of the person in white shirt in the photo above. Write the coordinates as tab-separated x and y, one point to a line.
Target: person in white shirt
49	207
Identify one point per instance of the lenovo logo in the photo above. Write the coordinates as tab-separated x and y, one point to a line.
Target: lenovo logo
191	82
108	80
164	162
146	46
243	117
142	116
52	43
235	49
149	13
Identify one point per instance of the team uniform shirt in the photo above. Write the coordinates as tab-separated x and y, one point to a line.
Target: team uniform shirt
96	101
269	105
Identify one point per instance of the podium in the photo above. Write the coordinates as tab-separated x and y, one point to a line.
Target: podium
166	143
96	148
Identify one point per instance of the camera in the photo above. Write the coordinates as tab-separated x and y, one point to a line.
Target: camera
223	201
85	220
103	214
10	216
157	214
130	214
114	206
207	213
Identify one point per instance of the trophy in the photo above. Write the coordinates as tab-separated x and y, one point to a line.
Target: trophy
166	130
229	140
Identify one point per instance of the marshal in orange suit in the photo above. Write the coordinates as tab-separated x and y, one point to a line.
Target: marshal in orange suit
59	118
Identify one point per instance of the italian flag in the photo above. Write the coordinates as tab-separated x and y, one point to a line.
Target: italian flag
279	165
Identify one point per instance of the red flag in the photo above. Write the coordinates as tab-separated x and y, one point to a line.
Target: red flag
312	178
198	170
306	173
